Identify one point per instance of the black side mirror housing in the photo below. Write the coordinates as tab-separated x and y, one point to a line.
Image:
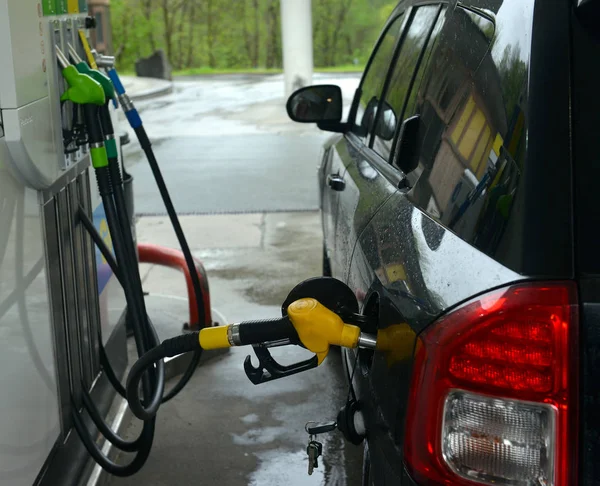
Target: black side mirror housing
406	156
320	104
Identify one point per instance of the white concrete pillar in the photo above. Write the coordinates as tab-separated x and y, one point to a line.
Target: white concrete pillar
296	40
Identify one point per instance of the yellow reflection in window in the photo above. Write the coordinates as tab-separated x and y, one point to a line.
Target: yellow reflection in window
498	144
469	139
464	118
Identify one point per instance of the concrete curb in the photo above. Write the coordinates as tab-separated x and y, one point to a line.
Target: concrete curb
146	88
152	93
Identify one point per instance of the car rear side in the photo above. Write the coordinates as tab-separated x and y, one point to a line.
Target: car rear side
465	220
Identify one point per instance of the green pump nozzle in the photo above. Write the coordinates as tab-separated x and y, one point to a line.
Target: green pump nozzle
85	91
83	68
82	88
109	92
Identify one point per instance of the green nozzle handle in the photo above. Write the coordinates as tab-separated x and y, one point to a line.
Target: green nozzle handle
103	79
83	90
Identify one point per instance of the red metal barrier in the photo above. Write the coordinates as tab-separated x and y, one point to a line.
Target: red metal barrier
169	257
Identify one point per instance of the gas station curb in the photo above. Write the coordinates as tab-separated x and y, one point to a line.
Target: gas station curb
154	87
152	93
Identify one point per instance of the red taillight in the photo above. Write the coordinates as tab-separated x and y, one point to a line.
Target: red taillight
493	397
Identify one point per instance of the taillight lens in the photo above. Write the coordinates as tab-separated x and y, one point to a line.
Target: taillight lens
490	439
493	396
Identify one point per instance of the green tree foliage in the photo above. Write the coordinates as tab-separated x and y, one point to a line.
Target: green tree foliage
513	74
223	34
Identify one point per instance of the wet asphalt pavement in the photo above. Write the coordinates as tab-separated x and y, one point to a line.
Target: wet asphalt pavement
225	144
222	429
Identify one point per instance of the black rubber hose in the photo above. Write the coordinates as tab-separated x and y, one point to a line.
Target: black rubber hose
119	195
146	439
106	366
127	238
99	242
143	443
168	348
92	124
189	372
164	193
189	260
142	341
105	430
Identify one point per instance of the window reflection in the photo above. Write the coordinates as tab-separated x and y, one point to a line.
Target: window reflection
473	135
374	78
402	74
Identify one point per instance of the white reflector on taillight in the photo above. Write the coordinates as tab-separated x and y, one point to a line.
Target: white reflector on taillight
499	441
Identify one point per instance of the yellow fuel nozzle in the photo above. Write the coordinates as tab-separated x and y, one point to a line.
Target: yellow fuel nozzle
318	327
307	321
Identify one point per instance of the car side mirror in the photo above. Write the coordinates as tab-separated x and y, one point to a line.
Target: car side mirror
320	104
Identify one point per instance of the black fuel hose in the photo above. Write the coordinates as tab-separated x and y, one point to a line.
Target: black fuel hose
119	195
112	193
133	294
99	242
146	145
168	348
104	362
153	380
88	403
146	439
127	272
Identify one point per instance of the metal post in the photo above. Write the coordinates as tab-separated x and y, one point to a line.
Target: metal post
296	35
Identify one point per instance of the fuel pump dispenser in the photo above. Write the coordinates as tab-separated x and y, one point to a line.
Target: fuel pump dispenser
59	301
56	136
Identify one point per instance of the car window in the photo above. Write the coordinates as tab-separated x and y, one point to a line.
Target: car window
392	108
410	108
373	80
473	123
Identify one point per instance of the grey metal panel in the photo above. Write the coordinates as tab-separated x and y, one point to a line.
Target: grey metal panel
83	325
69	292
53	264
68	175
91	283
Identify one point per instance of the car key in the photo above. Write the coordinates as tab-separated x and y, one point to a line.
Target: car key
314	450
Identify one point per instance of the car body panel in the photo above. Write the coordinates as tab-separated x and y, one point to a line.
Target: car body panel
489	204
586	120
365	192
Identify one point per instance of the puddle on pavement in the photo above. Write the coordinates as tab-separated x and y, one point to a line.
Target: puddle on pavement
280	467
263	435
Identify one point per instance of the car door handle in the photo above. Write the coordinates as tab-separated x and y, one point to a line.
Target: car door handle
336	182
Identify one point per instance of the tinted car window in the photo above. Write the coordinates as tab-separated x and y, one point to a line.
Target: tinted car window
373	80
431	43
409	56
472	105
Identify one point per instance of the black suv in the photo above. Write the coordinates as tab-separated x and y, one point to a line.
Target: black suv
460	204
